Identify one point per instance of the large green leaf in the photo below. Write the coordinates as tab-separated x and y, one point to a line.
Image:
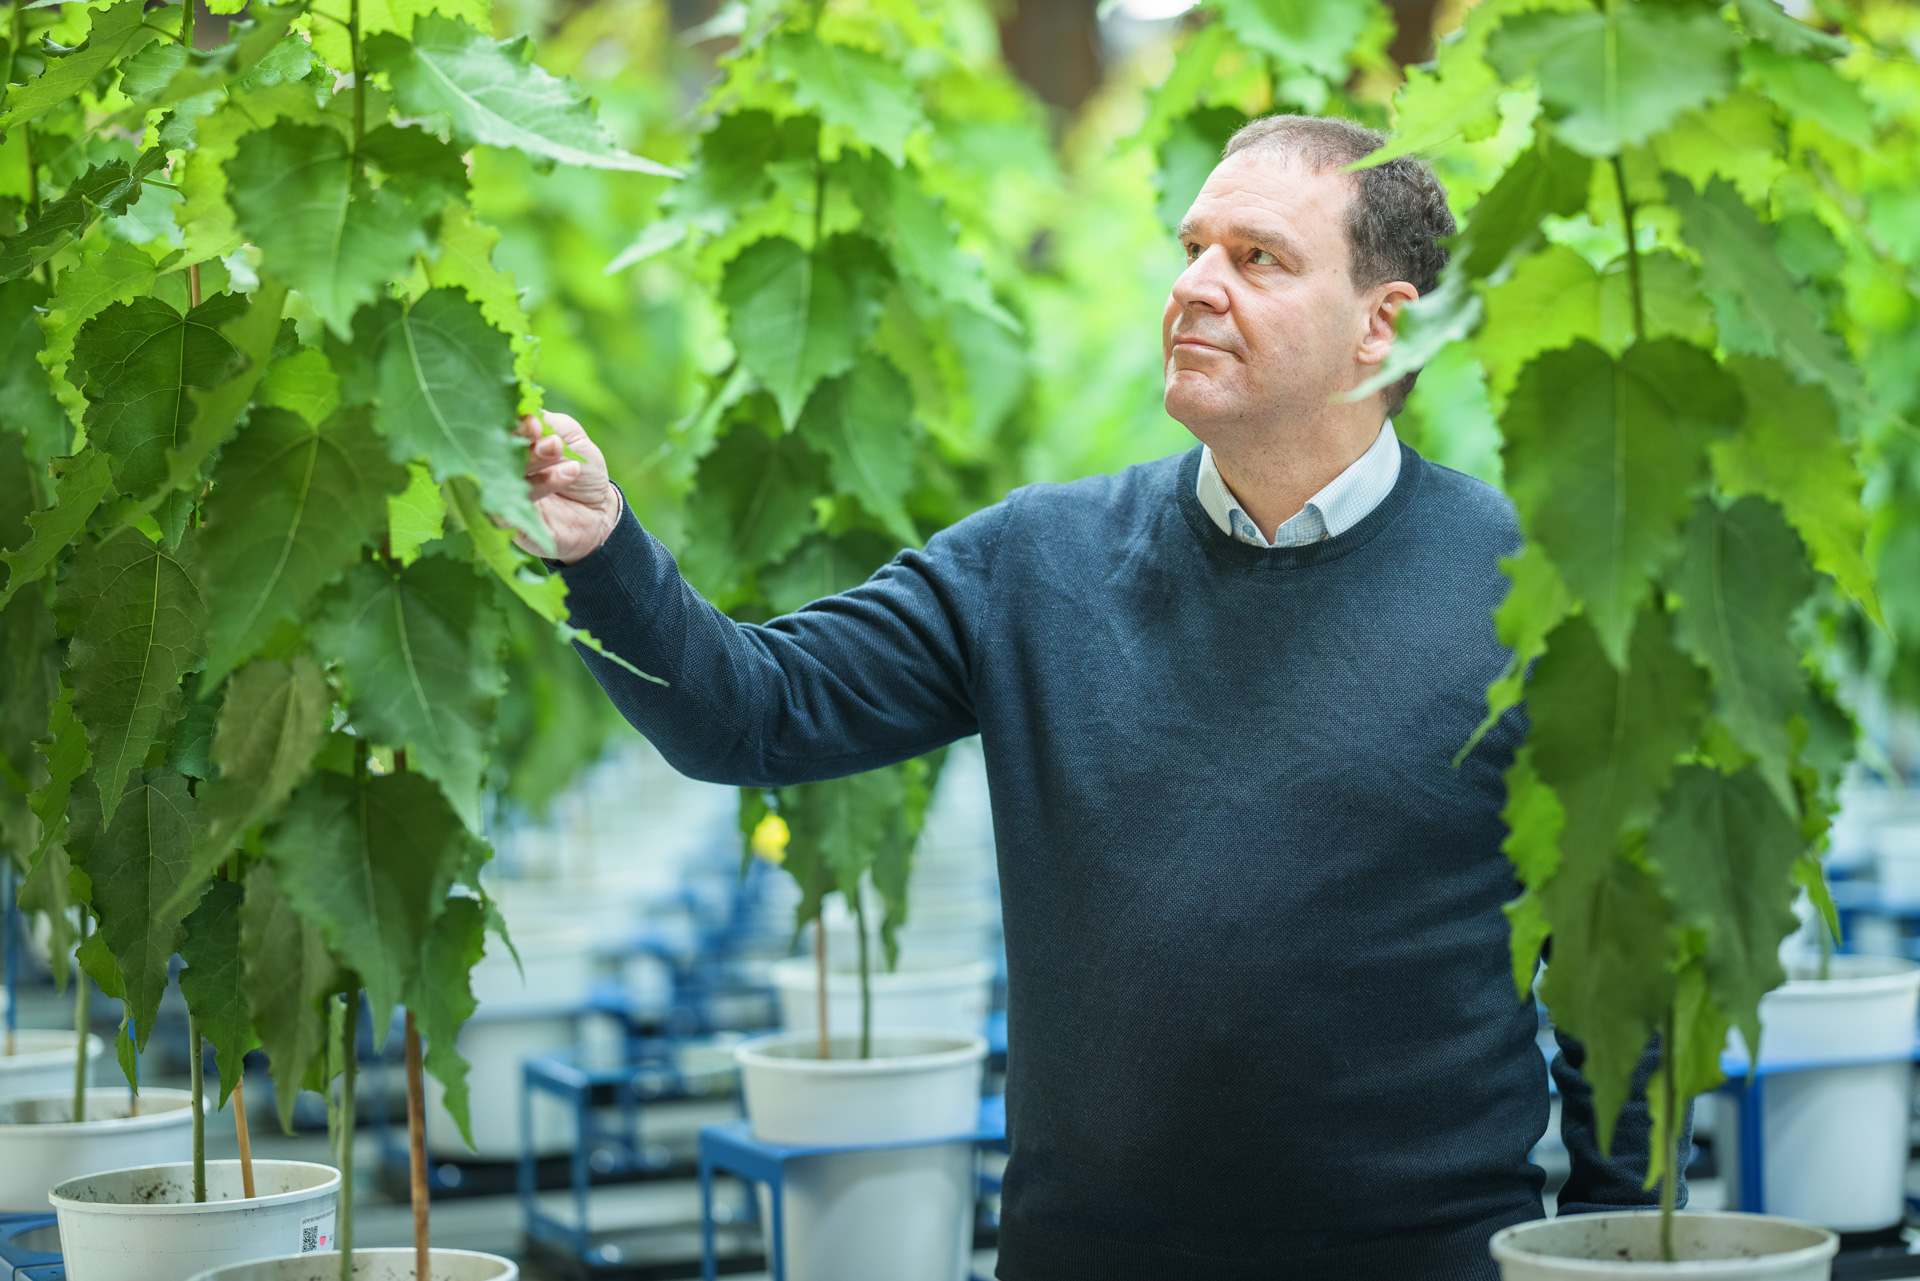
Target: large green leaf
134	862
319	228
291	506
136	362
211	981
29	683
138	626
1545	179
118	32
370	862
216	411
1618	75
85	481
119	272
441	998
835	832
492	92
1187	155
1602	458
865	93
444	381
863	423
108	188
287	969
752	504
1534	819
1533	607
1742	579
420	657
796	317
1790	449
32	410
1726	851
1315	34
65	751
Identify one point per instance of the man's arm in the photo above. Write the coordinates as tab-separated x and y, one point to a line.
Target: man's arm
1598	1183
872	676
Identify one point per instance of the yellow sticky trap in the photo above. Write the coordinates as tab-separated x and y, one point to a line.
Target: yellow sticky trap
770	840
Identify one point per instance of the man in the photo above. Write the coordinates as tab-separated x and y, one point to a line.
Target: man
1260	997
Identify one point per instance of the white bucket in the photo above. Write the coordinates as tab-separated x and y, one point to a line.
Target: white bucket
1712	1247
371	1265
42	1062
900	1214
1897	851
1865	803
1835	1137
41	1145
952	994
497	1049
143	1224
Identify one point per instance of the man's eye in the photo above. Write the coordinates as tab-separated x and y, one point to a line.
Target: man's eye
1193	251
1261	258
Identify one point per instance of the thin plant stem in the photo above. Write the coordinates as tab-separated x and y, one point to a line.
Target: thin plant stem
197	1083
1633	252
359	76
348	1067
187	8
866	984
819	201
1670	1150
820	986
80	1029
417	1153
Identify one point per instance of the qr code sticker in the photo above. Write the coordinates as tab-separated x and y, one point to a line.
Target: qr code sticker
309	1239
316	1232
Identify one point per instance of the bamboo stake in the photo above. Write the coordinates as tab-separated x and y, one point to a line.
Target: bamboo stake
246	1140
417	1145
820	987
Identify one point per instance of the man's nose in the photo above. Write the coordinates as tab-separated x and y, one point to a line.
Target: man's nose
1202	285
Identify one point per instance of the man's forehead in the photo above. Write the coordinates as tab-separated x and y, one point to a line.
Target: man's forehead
1271	188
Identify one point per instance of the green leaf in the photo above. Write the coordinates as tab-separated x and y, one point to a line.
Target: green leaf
1740	267
270	726
1187	155
797	317
117	33
369	863
136	362
1457	96
1533	607
863	423
107	188
1813	91
893	862
206	215
327	235
1766	20
287	970
445	388
211	981
1619	75
29	684
1725	850
79	491
1315	34
752	504
492	93
117	273
138	626
291	506
835	831
32	410
415	516
1743	578
1543	180
1425	326
465	261
922	237
1735	139
302	382
1534	819
420	654
1789	448
858	90
65	751
441	998
135	860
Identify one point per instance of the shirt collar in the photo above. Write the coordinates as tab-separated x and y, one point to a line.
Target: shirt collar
1343	503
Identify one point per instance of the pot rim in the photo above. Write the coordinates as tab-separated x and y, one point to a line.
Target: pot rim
971	1049
29	1060
1901	974
1826	1247
72	1205
146	1121
952	970
441	1251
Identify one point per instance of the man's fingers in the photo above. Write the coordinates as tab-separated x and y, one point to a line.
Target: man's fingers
529	426
553	479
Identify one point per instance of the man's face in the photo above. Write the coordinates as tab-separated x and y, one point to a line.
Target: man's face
1264	325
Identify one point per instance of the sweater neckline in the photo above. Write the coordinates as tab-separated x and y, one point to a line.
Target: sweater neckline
1224	547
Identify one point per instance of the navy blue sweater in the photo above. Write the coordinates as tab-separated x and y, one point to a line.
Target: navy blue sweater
1260	1002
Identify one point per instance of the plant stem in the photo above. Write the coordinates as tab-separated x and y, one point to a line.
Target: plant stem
1670	1150
819	200
1633	252
187	8
12	955
866	985
344	1228
359	75
80	1029
417	1152
820	984
197	1083
240	1132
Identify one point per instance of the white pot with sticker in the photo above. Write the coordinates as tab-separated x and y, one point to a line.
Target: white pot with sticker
142	1224
372	1265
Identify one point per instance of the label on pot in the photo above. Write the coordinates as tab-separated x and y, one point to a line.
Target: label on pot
316	1232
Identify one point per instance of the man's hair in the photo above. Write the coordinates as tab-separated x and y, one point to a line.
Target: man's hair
1397	218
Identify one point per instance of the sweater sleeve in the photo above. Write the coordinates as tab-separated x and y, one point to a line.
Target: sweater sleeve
875	675
1617	1182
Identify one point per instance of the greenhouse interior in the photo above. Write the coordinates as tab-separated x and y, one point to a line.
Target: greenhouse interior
606	667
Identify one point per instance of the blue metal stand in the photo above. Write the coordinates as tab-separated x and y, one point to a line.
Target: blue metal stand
730	1148
21	1261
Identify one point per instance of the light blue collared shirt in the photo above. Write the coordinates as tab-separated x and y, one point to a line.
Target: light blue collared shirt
1340	506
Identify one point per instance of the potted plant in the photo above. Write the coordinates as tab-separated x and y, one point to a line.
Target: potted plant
1678	428
259	578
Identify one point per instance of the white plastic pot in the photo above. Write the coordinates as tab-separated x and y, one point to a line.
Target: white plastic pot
1835	1137
42	1062
1712	1247
952	994
897	1214
371	1265
42	1145
142	1224
1897	851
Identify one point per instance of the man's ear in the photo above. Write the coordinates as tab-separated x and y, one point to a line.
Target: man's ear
1377	339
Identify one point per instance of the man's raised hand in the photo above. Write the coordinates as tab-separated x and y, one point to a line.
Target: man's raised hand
573	495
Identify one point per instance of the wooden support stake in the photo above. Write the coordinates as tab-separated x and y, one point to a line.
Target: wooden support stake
820	985
417	1145
246	1141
